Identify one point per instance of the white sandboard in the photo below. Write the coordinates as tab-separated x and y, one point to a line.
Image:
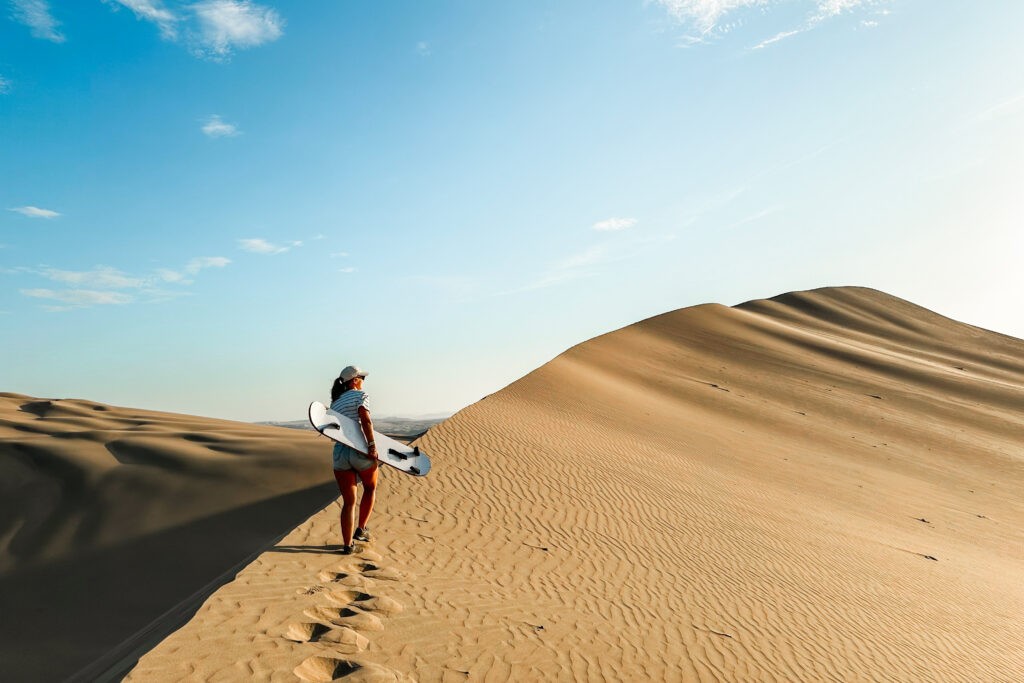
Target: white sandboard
337	427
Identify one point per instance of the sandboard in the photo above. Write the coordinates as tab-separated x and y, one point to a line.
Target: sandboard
337	427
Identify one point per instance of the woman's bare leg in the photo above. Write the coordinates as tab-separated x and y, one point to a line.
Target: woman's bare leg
347	485
369	478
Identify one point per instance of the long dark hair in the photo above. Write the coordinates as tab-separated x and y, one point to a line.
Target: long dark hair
338	388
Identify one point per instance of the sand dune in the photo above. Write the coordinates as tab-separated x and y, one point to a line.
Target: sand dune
820	487
110	517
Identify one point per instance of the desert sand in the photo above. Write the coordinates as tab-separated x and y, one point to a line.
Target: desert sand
824	486
115	523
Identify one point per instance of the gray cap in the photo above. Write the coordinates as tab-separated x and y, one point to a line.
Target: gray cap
351	372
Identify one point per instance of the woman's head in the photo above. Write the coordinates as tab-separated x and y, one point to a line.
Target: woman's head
350	378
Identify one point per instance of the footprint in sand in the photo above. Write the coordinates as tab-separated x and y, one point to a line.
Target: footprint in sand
346	579
365	601
346	616
344	639
320	669
346	610
372	571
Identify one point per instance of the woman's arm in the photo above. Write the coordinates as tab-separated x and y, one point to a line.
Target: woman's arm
367	426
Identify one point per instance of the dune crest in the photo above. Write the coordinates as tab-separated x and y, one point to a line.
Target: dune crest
821	486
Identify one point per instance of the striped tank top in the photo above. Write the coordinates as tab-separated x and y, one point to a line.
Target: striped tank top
348	403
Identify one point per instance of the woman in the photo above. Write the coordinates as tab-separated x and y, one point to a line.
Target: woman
349	399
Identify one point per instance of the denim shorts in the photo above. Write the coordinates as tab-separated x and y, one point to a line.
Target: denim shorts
348	458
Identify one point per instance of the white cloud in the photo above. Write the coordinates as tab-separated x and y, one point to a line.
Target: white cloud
36	15
5	85
80	297
211	28
1009	107
711	18
215	127
423	49
587	257
106	285
763	213
35	212
572	267
226	25
831	8
201	262
348	269
154	11
168	275
191	268
258	245
613	224
704	15
339	254
102	277
777	37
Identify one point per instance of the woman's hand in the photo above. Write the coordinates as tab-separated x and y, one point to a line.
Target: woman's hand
372	452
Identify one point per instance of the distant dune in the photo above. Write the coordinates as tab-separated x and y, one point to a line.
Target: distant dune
821	486
110	517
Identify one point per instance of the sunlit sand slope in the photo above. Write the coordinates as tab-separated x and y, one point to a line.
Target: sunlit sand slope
110	517
825	486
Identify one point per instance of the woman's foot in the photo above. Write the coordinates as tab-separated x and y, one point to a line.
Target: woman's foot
346	550
362	534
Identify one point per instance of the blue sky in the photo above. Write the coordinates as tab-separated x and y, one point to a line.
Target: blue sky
212	207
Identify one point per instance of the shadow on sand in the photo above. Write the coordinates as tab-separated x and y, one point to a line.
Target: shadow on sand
92	617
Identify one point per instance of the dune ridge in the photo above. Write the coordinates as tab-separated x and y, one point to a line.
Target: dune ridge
820	486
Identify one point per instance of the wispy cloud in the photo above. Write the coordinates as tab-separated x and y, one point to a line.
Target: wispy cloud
36	15
614	224
227	25
174	276
573	267
423	49
339	254
102	277
5	85
258	245
348	269
212	29
778	37
199	263
79	298
191	268
35	212
705	15
106	285
708	19
215	127
756	216
1008	107
154	11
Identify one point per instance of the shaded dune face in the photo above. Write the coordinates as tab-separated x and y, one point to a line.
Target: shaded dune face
78	475
111	516
821	486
